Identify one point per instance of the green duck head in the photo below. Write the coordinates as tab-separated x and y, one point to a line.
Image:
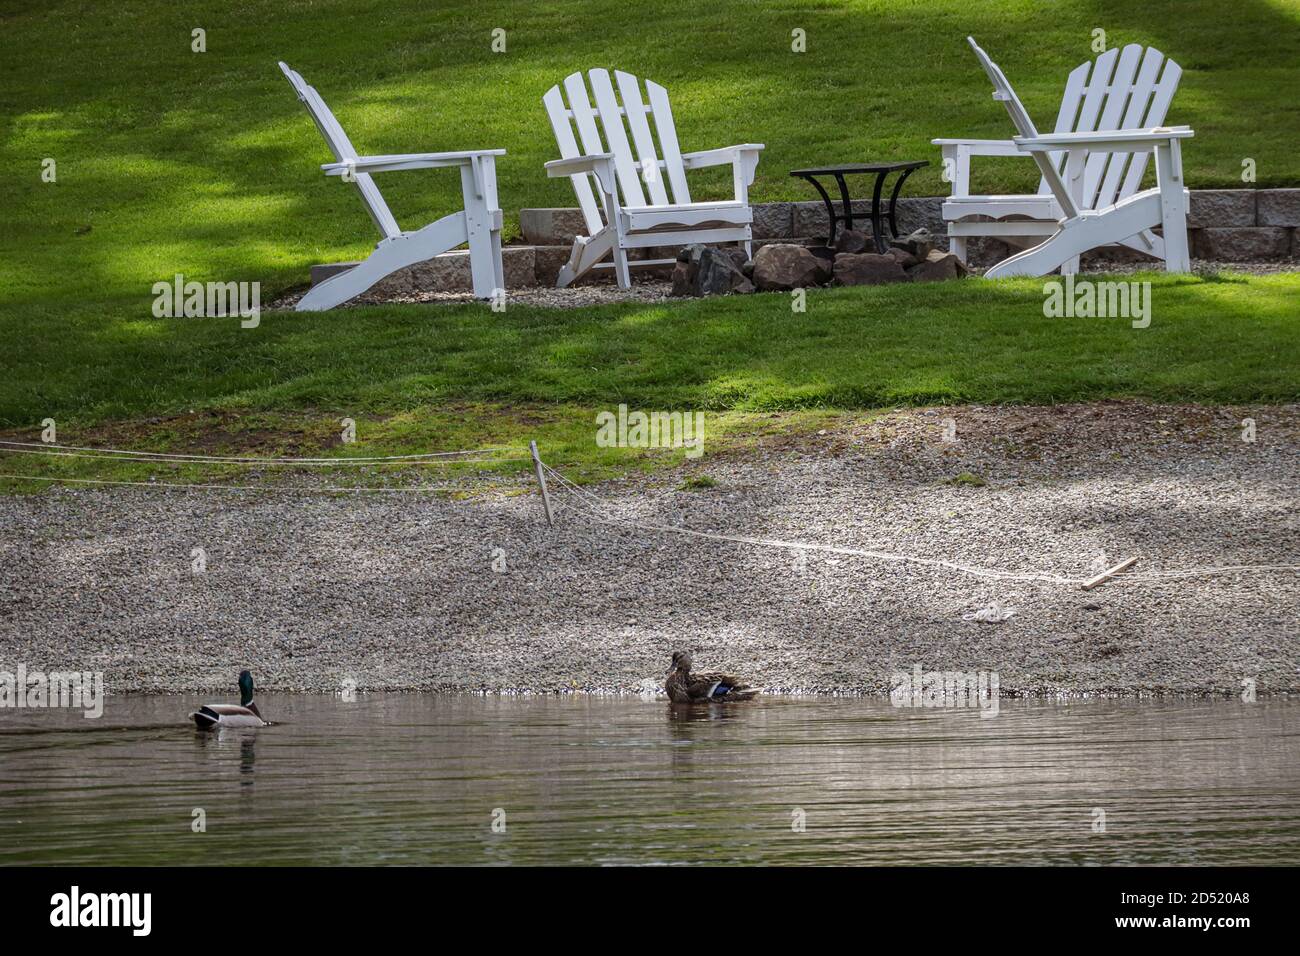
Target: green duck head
245	688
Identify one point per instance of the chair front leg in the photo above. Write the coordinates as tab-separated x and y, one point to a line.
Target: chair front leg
1173	205
483	224
956	169
605	179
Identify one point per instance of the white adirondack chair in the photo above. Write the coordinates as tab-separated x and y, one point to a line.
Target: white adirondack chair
634	210
1105	129
479	224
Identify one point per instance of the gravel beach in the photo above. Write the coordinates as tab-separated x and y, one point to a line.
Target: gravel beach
415	591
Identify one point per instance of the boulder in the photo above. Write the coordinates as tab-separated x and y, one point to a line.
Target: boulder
719	273
826	262
708	270
853	241
781	266
686	270
919	243
867	268
936	267
905	258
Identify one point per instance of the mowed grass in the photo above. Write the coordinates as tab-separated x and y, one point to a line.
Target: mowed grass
421	378
205	163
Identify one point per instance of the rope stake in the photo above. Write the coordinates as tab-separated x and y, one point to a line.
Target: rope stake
541	480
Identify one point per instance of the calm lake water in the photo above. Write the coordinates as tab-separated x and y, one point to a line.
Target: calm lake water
415	779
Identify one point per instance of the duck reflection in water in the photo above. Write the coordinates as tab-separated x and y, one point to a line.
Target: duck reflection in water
224	737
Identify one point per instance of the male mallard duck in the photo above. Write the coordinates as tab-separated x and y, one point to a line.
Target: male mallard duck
230	715
683	687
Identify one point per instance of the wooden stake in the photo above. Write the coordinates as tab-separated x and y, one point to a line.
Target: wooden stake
541	480
1105	576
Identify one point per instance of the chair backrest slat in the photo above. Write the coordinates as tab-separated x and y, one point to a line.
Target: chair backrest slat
1068	114
611	120
1134	112
561	125
1122	89
634	108
1025	127
601	129
1112	117
1162	96
343	150
663	114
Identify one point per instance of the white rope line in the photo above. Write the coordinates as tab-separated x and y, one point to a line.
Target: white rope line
828	548
49	448
268	462
1144	578
325	489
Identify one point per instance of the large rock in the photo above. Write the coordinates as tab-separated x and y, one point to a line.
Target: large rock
719	272
1244	244
867	268
936	267
919	242
1221	208
1279	207
708	270
853	241
687	269
905	258
781	266
825	260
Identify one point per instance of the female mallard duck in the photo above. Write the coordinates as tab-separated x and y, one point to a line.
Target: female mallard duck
683	687
230	715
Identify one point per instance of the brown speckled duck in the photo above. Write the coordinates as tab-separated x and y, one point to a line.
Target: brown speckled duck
683	687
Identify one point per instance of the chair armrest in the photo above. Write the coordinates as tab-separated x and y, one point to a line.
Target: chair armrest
718	157
981	147
1119	140
742	158
399	161
577	164
601	165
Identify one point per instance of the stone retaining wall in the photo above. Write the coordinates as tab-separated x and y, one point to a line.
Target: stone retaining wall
1225	225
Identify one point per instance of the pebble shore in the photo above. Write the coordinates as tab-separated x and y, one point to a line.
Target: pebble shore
432	592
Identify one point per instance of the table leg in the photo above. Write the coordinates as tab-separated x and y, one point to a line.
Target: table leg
848	204
877	227
830	207
893	202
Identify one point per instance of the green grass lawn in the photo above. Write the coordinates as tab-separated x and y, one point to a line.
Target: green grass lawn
170	161
420	378
205	163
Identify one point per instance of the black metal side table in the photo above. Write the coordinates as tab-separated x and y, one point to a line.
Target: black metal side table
882	171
